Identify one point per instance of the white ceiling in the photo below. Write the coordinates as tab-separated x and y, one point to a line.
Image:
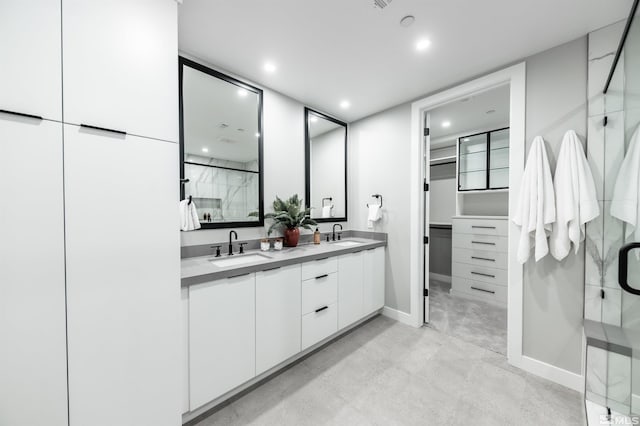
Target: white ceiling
469	116
330	50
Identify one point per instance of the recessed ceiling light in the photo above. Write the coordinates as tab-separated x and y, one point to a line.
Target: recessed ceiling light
313	119
205	149
257	135
270	67
446	124
242	93
407	21
423	44
491	111
466	140
345	104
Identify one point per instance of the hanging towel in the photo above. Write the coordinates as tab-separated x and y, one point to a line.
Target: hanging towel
576	199
188	216
327	211
536	209
375	214
625	204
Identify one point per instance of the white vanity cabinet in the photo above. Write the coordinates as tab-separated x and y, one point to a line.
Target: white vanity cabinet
277	316
184	346
33	363
123	270
31	72
350	288
373	279
120	61
222	337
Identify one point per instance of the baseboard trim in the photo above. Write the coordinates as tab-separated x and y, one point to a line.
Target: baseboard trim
550	372
440	277
397	315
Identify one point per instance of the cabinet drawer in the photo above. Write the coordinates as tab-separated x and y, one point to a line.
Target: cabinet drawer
480	226
481	242
319	292
491	259
319	267
479	290
480	273
319	325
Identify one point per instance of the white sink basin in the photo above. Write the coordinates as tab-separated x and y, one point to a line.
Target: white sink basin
347	243
238	259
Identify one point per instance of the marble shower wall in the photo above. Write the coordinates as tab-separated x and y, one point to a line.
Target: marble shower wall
227	195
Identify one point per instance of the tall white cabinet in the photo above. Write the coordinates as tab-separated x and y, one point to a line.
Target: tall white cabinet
33	370
89	243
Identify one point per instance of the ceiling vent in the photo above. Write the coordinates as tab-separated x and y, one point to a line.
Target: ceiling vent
381	4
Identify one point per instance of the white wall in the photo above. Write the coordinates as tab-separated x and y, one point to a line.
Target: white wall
379	164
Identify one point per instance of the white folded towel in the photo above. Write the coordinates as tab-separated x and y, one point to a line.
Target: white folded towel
327	211
375	214
188	216
576	199
536	209
625	203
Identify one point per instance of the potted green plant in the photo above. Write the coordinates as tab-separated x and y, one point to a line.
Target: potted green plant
289	215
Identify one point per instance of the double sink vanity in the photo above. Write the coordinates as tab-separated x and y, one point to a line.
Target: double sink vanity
247	315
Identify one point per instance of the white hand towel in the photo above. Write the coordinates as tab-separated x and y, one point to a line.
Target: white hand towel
625	203
188	216
576	199
536	209
375	214
327	211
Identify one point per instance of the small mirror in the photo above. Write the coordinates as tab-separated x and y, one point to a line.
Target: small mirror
221	147
326	161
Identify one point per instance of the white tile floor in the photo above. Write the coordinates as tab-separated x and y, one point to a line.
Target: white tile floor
387	373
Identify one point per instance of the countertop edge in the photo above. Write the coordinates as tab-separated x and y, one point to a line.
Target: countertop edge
243	270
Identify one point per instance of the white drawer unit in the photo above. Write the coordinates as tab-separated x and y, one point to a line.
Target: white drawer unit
318	292
479	290
480	226
319	324
480	273
480	242
319	267
490	259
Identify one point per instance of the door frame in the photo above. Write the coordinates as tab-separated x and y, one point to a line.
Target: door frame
515	76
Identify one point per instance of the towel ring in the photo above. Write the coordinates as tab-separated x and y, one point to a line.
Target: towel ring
328	198
377	196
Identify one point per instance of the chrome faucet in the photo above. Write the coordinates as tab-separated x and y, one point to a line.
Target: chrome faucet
232	232
334	231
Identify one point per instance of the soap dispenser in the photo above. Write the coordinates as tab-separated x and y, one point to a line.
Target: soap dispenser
316	237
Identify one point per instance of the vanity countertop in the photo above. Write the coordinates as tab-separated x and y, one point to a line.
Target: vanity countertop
197	270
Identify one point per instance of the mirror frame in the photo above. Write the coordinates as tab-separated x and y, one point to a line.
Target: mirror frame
182	62
307	161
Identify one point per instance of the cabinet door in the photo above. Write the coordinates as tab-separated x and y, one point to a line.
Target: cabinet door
33	364
350	289
121	65
222	345
278	316
31	75
374	279
184	344
123	279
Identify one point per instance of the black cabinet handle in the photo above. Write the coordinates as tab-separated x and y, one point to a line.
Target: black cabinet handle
623	263
483	258
322	276
482	289
321	309
482	242
21	114
103	129
483	227
236	276
324	258
271	269
483	274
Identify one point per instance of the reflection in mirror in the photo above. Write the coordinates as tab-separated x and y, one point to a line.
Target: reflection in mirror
326	159
221	143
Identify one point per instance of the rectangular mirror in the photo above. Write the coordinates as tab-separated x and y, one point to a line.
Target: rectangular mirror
326	167
221	147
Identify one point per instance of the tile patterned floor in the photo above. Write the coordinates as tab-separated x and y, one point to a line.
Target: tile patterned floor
473	321
387	373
